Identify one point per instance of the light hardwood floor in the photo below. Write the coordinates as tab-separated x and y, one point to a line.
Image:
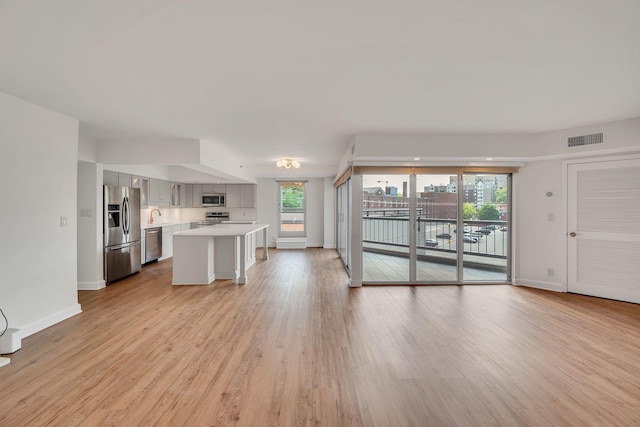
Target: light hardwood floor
296	346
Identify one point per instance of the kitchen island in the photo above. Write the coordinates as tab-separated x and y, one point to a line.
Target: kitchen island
223	251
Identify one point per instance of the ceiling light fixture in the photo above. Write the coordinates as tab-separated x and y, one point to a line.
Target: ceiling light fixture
288	163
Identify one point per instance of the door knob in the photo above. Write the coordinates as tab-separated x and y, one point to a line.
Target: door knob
573	234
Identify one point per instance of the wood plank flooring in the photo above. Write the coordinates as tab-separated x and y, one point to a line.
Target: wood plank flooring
297	347
380	268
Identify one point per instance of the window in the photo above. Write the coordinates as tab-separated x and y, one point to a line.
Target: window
292	209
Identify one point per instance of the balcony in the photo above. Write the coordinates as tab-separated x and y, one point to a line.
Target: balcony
386	248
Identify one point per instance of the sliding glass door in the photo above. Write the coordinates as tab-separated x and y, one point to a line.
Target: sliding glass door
486	218
385	228
343	216
435	228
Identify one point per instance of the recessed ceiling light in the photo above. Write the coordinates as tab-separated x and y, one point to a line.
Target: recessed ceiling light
489	158
416	158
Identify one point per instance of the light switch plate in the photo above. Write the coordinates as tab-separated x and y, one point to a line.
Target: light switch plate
63	221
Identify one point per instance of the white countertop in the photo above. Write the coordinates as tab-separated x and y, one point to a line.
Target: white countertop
239	222
163	224
223	230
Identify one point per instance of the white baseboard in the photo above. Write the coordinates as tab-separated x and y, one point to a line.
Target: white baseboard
4	361
44	323
328	246
548	286
91	286
291	243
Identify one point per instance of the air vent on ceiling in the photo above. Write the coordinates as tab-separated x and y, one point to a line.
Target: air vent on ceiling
577	141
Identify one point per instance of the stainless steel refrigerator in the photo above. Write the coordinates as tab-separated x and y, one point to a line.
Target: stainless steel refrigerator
122	249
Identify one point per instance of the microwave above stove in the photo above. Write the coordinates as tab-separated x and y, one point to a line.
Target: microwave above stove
209	200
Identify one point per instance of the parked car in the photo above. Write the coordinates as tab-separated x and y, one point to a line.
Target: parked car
432	243
478	235
466	230
485	230
469	239
443	236
503	228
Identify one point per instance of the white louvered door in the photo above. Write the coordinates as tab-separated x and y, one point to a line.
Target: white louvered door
604	229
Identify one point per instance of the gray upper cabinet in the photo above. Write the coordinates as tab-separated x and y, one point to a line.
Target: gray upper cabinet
159	192
233	195
248	196
110	178
115	178
241	196
178	195
124	180
188	196
196	196
143	184
214	188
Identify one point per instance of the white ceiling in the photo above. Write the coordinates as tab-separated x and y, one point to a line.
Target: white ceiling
297	79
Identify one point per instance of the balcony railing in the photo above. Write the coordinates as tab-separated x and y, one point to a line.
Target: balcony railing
390	234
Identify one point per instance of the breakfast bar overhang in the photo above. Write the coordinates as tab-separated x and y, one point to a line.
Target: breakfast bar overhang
202	255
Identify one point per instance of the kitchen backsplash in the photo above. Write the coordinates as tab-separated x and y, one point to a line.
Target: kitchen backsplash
173	215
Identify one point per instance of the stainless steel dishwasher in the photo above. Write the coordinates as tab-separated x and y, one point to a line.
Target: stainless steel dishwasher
153	244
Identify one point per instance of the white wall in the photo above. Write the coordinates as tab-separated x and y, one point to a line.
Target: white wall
38	166
315	212
540	242
90	239
268	208
620	137
539	239
329	214
315	221
444	146
87	147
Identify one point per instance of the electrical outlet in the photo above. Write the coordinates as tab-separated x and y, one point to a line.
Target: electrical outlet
10	342
85	213
551	272
551	217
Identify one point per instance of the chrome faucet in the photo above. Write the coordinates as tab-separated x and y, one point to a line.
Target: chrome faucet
151	214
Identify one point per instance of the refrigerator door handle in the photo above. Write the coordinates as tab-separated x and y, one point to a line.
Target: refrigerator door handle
125	216
129	215
118	247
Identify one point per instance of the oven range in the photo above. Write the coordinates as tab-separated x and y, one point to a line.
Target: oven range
211	218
